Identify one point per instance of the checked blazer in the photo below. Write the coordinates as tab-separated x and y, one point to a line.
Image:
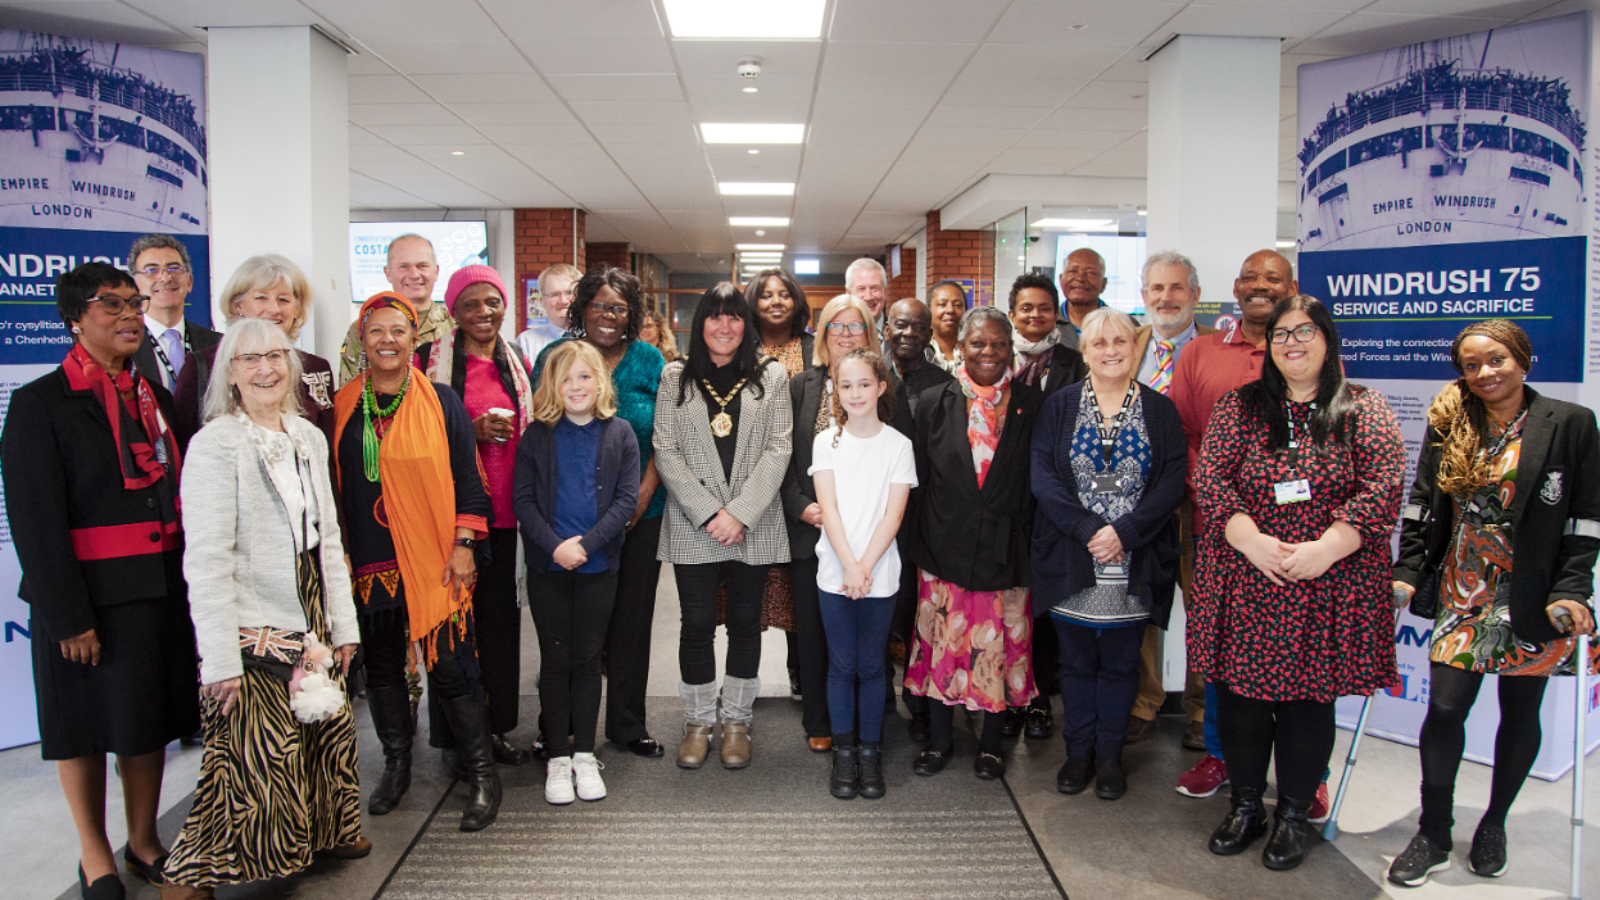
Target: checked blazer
686	458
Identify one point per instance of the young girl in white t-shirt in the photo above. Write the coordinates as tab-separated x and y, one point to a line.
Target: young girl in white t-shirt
864	471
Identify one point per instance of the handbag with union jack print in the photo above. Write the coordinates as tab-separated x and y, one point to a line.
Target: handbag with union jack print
275	651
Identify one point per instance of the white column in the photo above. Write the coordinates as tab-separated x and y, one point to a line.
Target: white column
280	165
1213	157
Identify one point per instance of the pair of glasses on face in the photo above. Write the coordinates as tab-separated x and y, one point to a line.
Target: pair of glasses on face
1302	334
254	360
170	268
114	305
854	329
612	310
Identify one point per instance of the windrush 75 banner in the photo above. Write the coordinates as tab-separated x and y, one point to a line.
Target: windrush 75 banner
1441	184
99	143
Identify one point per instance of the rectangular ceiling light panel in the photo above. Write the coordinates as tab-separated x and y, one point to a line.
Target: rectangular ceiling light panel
752	133
756	188
807	266
770	19
759	221
1073	224
758	246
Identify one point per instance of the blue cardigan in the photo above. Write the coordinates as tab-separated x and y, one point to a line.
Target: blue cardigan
1063	526
533	493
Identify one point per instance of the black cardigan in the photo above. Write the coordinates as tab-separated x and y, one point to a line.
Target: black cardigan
616	492
64	491
1555	515
976	539
1063	527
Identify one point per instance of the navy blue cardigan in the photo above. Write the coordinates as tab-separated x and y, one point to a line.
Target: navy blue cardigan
616	483
1063	526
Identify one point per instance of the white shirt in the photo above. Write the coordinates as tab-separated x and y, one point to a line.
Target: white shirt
863	469
1147	363
539	334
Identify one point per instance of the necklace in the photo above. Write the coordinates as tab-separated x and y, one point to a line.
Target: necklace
369	434
722	423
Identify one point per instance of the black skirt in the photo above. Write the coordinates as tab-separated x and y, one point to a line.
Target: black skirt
144	693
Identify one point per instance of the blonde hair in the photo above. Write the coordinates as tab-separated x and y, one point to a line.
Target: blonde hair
548	407
249	336
819	349
666	341
1097	322
267	271
565	270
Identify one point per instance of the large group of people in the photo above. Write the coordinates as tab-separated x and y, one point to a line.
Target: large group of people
221	544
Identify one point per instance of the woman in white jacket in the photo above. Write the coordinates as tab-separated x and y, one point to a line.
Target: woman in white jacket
275	626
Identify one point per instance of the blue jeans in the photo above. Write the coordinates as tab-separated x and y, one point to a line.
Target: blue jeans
1213	740
858	631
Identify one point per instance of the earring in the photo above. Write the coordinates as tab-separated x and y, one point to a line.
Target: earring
77	330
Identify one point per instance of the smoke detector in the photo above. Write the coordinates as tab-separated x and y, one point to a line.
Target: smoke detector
749	70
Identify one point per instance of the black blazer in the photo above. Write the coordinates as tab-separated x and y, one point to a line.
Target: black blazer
1066	367
616	492
1063	526
1555	515
200	338
976	539
83	540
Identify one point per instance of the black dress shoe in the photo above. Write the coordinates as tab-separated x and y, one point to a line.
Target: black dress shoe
870	756
1110	783
988	766
1244	823
918	728
931	761
794	685
1073	778
506	754
1015	717
539	750
1039	723
106	887
846	770
1292	836
152	873
645	747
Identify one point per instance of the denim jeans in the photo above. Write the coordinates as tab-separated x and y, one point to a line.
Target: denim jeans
857	632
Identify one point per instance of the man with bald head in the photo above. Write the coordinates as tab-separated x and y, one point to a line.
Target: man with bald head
412	270
1210	367
1082	282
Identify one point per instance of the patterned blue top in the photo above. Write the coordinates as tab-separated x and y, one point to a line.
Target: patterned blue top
1108	604
636	378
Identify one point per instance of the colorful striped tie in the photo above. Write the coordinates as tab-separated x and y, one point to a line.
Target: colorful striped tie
1162	380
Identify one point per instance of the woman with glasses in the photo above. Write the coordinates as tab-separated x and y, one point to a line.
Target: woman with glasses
606	313
90	468
1299	484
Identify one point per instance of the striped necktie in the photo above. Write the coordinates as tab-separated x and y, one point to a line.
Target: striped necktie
1162	380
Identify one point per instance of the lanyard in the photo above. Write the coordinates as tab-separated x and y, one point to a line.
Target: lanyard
166	363
1294	442
1108	435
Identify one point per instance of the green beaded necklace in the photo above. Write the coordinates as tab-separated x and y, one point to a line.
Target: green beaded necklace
369	435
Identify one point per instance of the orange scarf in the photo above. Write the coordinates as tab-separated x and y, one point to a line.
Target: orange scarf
419	497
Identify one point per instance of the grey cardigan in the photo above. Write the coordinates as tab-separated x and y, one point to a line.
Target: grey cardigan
240	556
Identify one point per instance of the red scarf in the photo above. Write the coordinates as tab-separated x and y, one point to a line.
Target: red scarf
145	445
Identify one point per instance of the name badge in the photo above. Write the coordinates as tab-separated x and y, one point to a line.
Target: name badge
1292	491
1107	483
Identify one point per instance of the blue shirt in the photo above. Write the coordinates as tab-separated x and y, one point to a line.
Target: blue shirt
578	449
1147	365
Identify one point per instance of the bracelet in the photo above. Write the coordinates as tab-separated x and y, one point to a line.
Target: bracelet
468	543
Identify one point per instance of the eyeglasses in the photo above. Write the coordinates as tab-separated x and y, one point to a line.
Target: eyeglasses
152	271
114	305
612	310
1302	334
253	360
569	293
854	329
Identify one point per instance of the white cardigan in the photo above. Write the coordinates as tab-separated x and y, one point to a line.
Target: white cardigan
239	554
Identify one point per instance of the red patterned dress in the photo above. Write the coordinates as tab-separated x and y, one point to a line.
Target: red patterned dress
1310	640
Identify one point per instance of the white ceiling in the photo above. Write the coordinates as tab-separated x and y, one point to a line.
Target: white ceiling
907	102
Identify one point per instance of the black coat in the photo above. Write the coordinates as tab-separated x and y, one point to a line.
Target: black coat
200	338
1555	515
978	539
83	540
1066	367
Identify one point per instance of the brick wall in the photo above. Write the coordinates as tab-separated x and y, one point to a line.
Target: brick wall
966	256
615	255
546	237
905	284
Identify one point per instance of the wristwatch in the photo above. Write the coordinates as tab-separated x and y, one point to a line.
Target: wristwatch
468	543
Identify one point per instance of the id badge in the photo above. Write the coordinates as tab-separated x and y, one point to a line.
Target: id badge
1107	483
1292	491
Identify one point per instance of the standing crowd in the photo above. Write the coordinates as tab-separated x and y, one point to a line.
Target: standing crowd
214	540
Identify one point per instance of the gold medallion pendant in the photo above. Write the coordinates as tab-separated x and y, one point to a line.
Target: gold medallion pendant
721	425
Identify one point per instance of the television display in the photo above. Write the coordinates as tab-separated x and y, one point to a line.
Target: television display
1124	255
455	244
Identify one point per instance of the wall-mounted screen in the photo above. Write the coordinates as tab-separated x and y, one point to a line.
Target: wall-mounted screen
455	244
1124	255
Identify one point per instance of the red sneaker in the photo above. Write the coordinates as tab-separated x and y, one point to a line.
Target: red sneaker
1206	778
1320	807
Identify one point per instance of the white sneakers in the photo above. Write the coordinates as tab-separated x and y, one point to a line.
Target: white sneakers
581	770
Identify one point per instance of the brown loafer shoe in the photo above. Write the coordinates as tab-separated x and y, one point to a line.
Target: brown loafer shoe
1194	737
736	745
696	745
820	745
356	849
1139	729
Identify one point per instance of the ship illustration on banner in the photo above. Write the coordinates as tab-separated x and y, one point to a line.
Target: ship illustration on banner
91	144
1444	149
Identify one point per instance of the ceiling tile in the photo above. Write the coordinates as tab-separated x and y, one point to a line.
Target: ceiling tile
406	135
985	116
360	136
1131	67
401	114
385	89
617	87
837	88
851	152
729	88
924	21
212	13
621	19
878	58
855	135
1014	60
486	88
1104	24
1496	9
1366	32
1099	119
536	154
1244	21
678	153
624	112
1111	95
95	20
400	20
552	135
440	154
439	57
385	152
863	114
646	134
1042	92
789	58
1074	137
597	56
764	111
1045	160
928	146
373	193
514	113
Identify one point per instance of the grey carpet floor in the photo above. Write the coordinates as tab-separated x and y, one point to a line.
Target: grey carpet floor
769	831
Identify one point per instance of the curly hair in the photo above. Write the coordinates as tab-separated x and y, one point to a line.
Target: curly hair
1032	280
624	283
880	370
1460	417
799	314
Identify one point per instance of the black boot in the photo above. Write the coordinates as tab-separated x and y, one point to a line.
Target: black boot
1292	835
872	786
391	719
469	722
842	782
1245	822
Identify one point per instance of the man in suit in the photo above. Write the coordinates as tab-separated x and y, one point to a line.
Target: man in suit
867	281
412	268
1082	282
160	266
1171	290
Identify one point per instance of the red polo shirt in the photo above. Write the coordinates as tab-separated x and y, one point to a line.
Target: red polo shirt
1209	367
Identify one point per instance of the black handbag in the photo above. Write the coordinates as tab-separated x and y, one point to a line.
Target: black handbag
1425	600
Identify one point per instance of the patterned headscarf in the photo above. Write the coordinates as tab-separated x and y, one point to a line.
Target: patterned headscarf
387	300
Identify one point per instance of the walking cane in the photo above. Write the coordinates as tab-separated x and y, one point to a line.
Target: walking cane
1330	831
1579	708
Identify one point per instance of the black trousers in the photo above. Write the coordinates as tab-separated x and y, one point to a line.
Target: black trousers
384	642
1298	733
1099	678
628	640
572	613
1046	659
905	628
499	636
697	599
813	645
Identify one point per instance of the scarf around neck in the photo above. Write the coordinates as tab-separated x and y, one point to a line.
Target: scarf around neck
146	447
983	419
440	367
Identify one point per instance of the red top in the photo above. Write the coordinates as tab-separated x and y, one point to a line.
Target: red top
483	393
1208	367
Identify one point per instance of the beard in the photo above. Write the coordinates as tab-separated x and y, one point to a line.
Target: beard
1170	319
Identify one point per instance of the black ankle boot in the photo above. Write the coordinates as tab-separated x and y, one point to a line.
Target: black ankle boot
1292	836
842	783
872	786
1245	822
469	722
391	719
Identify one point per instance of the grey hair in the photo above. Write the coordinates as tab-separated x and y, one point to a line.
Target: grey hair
1096	323
978	314
262	272
865	263
158	242
388	254
1169	258
249	336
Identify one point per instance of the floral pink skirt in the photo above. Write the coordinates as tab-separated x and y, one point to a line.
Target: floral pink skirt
972	647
